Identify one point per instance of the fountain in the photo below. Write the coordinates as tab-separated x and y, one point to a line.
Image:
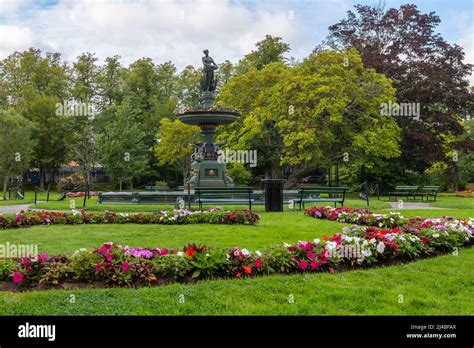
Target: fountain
206	169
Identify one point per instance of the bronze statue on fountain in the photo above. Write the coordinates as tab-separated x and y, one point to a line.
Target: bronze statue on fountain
206	168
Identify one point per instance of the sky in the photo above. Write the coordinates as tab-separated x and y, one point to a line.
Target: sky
178	30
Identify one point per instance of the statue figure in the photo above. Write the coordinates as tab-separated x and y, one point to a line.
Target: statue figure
208	81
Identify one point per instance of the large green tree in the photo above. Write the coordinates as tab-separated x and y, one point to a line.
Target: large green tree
426	69
299	117
121	147
16	146
33	84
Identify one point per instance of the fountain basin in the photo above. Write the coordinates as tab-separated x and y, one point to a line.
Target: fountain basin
208	117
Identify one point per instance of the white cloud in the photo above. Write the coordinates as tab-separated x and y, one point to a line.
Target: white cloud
14	38
162	30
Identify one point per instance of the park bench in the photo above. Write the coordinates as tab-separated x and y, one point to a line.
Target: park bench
404	191
428	191
156	188
140	197
308	193
230	195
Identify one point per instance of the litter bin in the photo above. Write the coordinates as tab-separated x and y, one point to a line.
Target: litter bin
273	194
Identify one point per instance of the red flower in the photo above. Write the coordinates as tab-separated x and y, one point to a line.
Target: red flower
238	275
258	264
394	245
248	269
190	252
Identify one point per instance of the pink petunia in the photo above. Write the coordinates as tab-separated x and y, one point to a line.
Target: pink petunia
303	265
311	255
18	278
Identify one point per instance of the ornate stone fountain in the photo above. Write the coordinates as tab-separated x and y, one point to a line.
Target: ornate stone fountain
206	170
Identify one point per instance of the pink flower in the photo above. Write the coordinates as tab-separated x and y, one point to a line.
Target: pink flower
108	257
25	261
310	255
43	257
163	251
303	265
314	265
98	267
18	278
258	264
125	267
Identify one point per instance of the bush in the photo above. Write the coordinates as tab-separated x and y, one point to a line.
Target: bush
72	182
6	267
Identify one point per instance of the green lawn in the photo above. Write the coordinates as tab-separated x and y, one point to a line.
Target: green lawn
438	286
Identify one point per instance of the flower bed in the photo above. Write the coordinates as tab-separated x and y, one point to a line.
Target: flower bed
357	216
169	217
355	246
79	194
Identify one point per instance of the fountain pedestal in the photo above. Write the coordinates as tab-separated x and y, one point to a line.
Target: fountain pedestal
206	169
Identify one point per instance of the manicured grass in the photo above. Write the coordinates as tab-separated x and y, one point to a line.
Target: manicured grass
454	202
29	198
437	286
274	228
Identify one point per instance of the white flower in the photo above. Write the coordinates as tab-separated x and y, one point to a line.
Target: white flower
245	252
331	245
381	247
258	253
436	235
365	242
180	253
316	241
207	255
286	245
366	253
356	239
373	241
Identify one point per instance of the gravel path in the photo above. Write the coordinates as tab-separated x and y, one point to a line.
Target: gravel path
412	206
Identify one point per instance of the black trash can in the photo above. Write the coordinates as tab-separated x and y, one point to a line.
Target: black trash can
273	194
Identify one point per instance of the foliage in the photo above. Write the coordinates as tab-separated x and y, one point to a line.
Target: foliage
423	66
174	146
301	116
240	174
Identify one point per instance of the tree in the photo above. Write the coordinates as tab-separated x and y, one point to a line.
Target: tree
121	149
174	146
269	50
33	85
16	146
188	88
402	44
301	116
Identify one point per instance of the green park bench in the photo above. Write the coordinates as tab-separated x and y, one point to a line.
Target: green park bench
308	193
404	191
228	195
428	191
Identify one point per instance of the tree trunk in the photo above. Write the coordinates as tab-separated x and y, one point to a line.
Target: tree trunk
131	185
42	175
5	182
120	185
